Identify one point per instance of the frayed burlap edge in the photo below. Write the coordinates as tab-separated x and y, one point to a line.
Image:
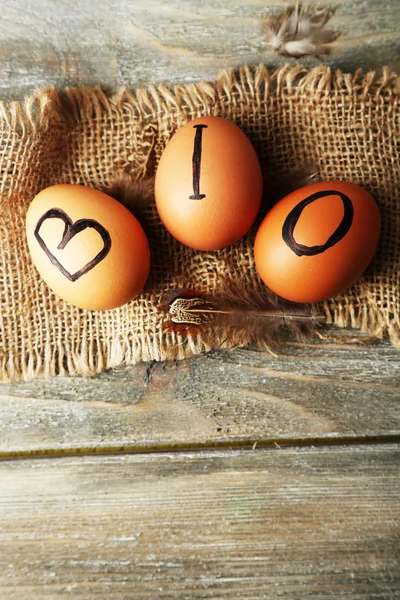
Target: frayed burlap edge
50	104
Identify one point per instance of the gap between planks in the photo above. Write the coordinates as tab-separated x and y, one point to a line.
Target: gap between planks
215	445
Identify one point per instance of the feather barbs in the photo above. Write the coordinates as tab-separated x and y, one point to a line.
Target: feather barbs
235	316
301	31
137	195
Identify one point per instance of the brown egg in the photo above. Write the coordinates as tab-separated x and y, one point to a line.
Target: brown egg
317	241
89	249
208	184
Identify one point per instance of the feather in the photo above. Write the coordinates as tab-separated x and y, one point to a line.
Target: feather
236	315
300	31
294	178
135	195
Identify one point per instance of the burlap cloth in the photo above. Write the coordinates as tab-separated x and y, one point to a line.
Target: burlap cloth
348	126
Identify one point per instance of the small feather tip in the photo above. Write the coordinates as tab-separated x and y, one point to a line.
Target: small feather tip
135	195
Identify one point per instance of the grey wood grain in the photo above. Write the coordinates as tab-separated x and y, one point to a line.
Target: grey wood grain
292	523
279	523
119	42
313	390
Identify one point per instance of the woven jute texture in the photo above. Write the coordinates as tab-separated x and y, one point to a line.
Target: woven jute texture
347	126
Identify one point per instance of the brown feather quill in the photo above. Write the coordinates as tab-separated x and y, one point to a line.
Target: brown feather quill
236	316
301	31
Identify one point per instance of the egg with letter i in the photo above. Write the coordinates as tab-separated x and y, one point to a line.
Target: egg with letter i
89	249
208	184
317	241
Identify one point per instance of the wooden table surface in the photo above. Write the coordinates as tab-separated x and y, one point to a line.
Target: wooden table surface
230	475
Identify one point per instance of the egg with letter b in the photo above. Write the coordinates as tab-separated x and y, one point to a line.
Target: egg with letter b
89	249
317	241
208	184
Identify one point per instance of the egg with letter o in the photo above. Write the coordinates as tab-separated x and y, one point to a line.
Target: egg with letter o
317	241
89	249
208	184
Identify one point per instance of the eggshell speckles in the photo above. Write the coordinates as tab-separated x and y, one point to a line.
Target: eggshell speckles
208	184
317	241
89	249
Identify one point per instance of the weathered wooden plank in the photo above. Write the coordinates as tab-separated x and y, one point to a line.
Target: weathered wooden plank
317	389
293	523
137	43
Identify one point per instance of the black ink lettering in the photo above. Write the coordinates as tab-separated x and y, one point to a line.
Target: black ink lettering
71	230
337	235
196	160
